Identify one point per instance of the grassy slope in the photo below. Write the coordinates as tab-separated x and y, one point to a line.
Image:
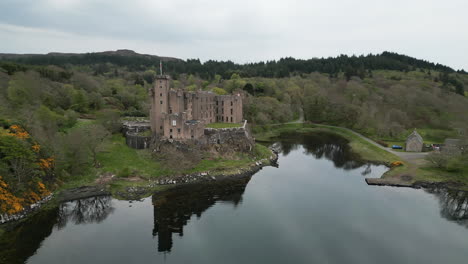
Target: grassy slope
119	159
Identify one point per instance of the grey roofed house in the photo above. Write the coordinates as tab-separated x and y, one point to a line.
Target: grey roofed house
414	142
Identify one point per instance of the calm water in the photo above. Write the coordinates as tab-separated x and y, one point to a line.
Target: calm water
314	208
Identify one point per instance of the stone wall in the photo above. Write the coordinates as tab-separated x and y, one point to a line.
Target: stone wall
136	141
237	138
229	139
133	132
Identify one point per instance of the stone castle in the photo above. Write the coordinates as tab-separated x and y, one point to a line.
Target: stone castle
181	115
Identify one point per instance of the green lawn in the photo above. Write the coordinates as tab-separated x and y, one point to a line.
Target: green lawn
118	157
223	125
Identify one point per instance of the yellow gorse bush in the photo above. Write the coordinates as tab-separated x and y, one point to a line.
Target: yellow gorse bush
46	164
19	132
9	203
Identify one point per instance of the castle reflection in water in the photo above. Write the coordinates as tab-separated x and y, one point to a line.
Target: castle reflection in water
174	208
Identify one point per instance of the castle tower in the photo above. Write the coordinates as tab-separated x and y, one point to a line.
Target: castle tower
159	103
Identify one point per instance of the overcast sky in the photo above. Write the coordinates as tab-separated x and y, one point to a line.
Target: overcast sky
240	30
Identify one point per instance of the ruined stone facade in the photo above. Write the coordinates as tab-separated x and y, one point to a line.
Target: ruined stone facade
181	115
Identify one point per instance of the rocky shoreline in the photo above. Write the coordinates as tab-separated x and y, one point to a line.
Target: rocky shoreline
5	218
455	186
136	192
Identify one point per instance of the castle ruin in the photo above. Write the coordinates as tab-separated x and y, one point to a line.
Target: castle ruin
179	114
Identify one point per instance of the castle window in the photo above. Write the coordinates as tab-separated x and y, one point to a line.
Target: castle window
231	104
170	111
161	102
170	130
170	136
160	94
160	127
174	123
231	111
178	130
160	86
231	119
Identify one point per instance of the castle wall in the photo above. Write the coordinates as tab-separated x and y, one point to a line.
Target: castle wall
237	139
176	101
229	109
203	107
136	141
174	126
177	127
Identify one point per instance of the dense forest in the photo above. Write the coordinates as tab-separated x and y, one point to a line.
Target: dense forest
45	98
350	65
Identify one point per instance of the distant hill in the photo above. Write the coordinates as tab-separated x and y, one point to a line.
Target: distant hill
350	65
119	57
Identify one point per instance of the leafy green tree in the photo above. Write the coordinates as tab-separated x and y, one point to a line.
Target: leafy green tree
109	119
219	91
19	156
80	101
22	89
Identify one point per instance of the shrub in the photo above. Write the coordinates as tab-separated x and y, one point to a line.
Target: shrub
438	159
382	143
124	173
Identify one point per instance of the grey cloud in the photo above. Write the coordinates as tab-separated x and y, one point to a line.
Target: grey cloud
240	30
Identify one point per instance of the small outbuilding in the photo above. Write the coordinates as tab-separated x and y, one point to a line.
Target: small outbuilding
414	142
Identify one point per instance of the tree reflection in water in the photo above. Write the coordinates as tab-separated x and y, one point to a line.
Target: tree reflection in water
174	208
20	242
85	211
324	145
453	205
